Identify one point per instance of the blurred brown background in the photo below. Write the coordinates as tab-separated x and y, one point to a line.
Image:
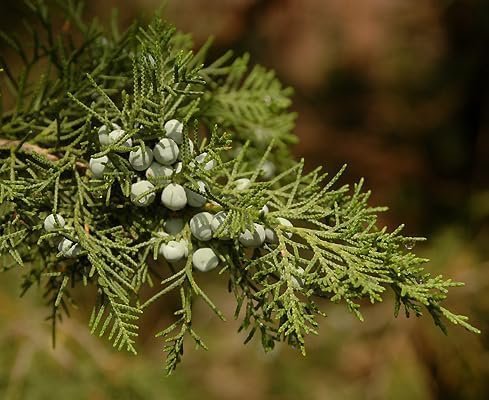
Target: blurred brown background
398	90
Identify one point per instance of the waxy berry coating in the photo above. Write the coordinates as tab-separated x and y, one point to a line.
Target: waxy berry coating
253	239
204	259
116	135
69	248
103	134
208	164
141	160
271	236
200	226
138	189
158	171
98	166
174	129
166	151
196	198
51	224
268	170
174	251
174	197
242	183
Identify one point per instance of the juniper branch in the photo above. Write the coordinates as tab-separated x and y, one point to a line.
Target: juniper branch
121	122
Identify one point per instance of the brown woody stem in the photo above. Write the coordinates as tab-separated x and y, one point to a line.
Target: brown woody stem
32	148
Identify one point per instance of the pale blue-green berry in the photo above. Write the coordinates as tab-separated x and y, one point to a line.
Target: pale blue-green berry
268	170
174	197
174	225
177	167
50	223
68	248
208	164
242	183
201	157
156	170
191	146
73	251
253	239
297	282
98	166
174	129
217	221
195	198
166	151
151	60
204	259
141	160
138	189
264	210
271	236
174	251
200	226
103	134
181	262
161	234
116	135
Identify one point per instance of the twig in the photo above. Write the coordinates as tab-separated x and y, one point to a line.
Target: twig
32	148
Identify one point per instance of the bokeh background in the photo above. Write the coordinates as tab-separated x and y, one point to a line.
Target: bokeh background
398	90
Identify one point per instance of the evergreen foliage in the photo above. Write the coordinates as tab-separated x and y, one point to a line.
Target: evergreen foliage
235	120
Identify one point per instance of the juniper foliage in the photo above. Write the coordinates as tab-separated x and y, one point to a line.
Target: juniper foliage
238	118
